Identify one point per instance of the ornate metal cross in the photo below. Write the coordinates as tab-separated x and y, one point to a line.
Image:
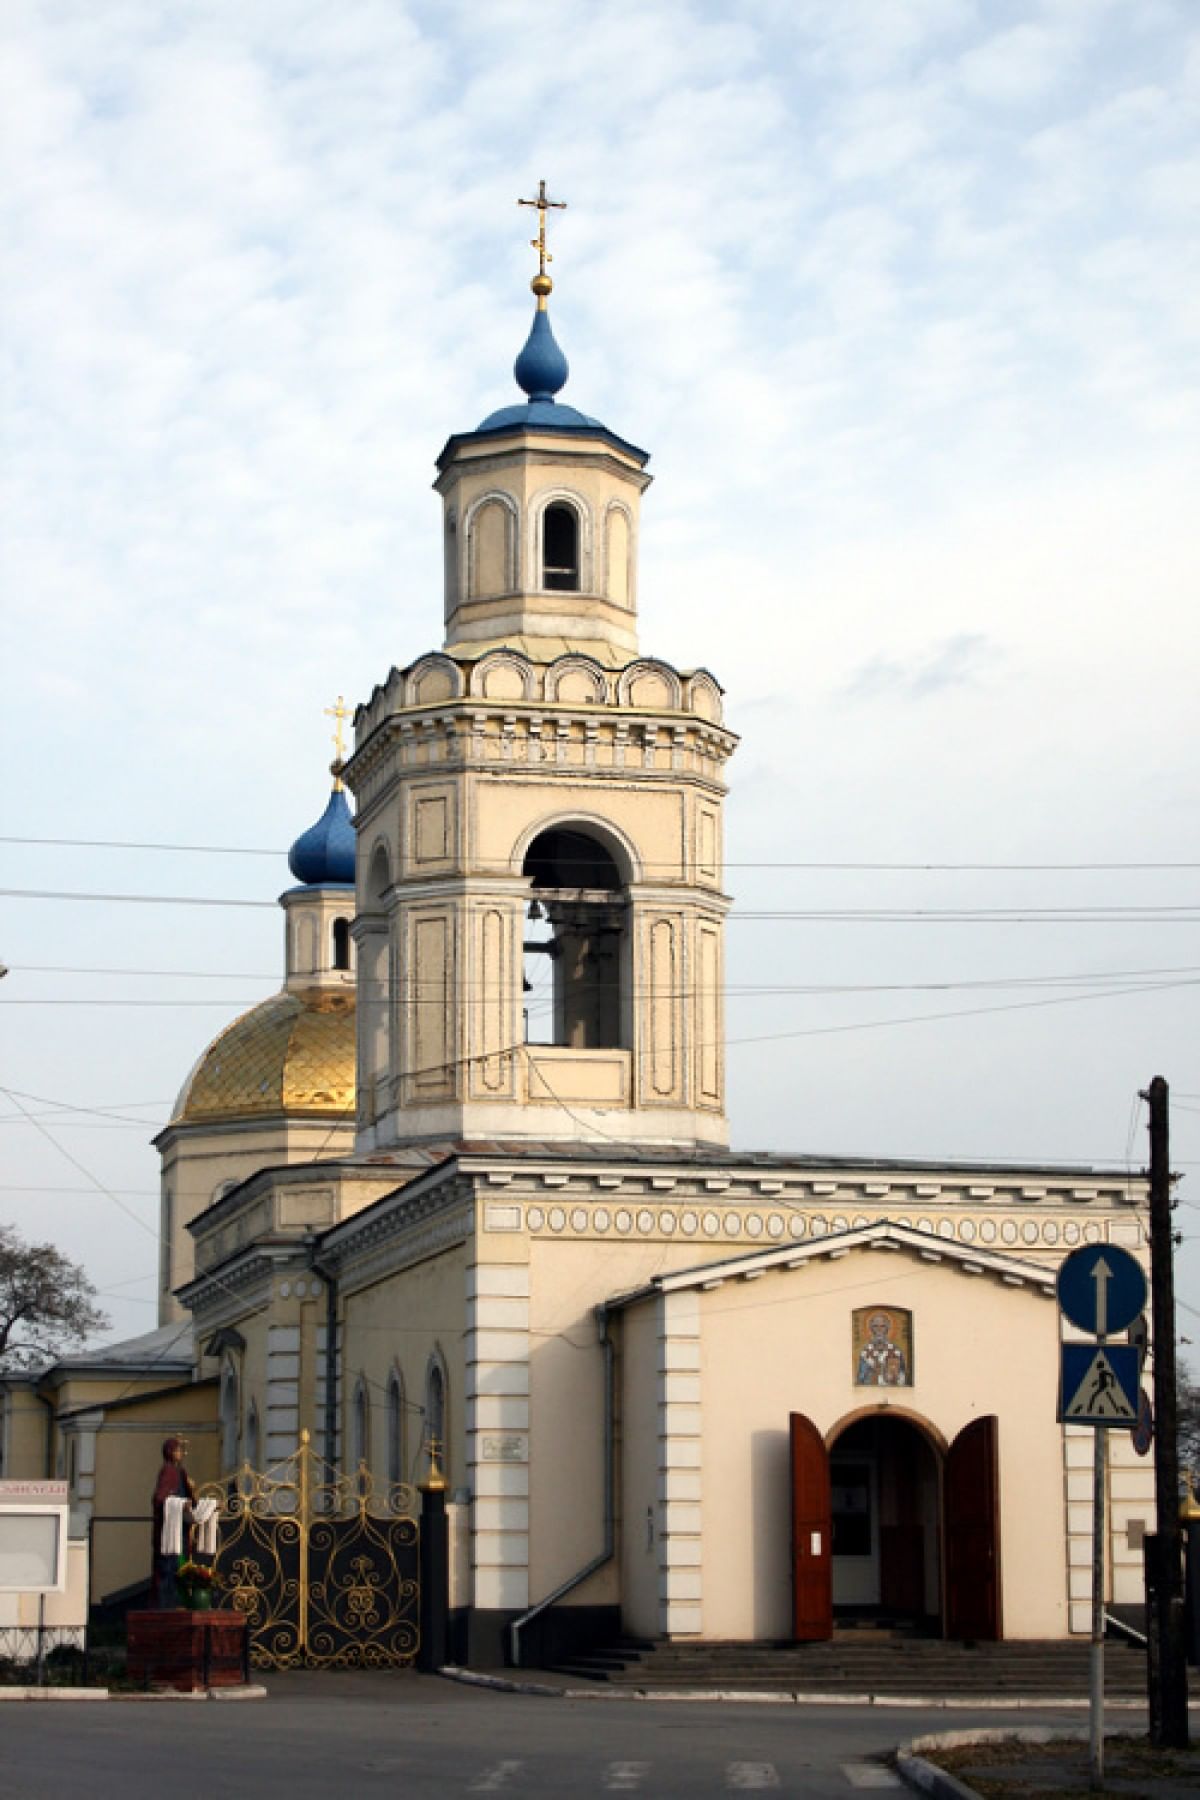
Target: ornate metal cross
539	242
339	714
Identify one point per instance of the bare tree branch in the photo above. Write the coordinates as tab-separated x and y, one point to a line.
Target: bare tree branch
47	1298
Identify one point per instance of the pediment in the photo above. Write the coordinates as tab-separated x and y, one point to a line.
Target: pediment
900	1240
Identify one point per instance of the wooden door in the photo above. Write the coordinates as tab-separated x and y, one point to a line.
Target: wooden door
972	1499
812	1531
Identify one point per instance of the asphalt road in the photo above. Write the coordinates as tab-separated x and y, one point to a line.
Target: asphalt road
355	1736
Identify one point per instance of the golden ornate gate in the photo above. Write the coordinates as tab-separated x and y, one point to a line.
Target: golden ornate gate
324	1565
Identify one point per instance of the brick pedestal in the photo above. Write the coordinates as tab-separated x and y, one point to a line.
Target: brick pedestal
187	1650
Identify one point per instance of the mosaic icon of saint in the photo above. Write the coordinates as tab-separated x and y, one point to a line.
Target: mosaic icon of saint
881	1361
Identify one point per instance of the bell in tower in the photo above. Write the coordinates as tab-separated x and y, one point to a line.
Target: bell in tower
540	910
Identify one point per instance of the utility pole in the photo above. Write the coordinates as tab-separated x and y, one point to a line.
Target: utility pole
1166	1663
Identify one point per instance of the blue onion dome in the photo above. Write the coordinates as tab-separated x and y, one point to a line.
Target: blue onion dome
541	368
323	856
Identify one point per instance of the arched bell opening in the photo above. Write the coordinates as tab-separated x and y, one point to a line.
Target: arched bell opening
575	942
885	1477
560	548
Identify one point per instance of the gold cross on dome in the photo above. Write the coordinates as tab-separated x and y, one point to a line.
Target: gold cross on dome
539	242
339	714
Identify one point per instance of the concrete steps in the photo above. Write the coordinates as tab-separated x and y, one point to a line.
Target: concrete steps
904	1666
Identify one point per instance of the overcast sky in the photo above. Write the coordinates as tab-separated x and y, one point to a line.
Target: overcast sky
902	296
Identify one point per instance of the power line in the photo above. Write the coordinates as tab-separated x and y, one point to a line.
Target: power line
157	974
119	1108
130	899
409	995
409	982
28	1187
990	915
917	868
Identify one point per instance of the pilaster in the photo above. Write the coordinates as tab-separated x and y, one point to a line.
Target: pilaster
498	1432
680	1466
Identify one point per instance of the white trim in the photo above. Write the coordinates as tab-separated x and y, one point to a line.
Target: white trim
884	1235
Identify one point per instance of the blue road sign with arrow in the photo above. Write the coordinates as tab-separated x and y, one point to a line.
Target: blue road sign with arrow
1101	1289
1100	1385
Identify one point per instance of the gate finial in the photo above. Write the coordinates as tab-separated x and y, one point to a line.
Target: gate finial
434	1481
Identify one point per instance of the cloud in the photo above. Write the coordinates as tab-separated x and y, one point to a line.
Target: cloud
956	662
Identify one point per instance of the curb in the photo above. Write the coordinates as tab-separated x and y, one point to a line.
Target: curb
927	1778
171	1694
501	1684
48	1693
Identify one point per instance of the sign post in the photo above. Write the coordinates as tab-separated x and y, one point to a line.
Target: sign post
1100	1290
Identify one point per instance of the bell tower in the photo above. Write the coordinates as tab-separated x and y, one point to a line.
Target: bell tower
540	914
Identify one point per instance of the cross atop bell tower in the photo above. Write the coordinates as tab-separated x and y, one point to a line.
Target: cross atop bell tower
542	510
541	283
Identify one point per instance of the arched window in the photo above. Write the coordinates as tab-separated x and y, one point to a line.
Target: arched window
435	1408
395	1428
341	943
379	878
361	1442
574	944
560	548
252	1435
229	1417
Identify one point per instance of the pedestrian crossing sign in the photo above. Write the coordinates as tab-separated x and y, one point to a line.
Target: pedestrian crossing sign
1100	1384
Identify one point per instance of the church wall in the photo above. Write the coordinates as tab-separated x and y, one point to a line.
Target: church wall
23	1443
250	1368
782	1344
569	1278
632	1228
401	1321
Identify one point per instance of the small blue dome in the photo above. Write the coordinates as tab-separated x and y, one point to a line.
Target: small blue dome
323	856
541	368
546	413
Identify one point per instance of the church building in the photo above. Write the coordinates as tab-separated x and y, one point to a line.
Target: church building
680	1390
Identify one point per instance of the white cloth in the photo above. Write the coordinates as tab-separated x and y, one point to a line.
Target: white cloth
204	1516
171	1543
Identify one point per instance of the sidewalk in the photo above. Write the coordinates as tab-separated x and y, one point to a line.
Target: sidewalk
1044	1765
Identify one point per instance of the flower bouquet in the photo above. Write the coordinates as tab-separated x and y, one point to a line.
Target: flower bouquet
197	1583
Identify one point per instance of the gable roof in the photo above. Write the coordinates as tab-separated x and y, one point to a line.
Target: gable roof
885	1235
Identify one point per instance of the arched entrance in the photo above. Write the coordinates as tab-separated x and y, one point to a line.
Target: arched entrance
885	1508
888	1523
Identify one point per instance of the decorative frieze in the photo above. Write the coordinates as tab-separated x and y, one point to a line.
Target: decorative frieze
794	1221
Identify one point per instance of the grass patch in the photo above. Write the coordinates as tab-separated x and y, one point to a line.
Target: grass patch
1013	1770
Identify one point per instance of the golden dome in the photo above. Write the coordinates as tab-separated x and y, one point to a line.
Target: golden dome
293	1053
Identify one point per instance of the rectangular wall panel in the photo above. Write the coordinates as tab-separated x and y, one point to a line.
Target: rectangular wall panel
664	987
709	1013
429	1003
491	1070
